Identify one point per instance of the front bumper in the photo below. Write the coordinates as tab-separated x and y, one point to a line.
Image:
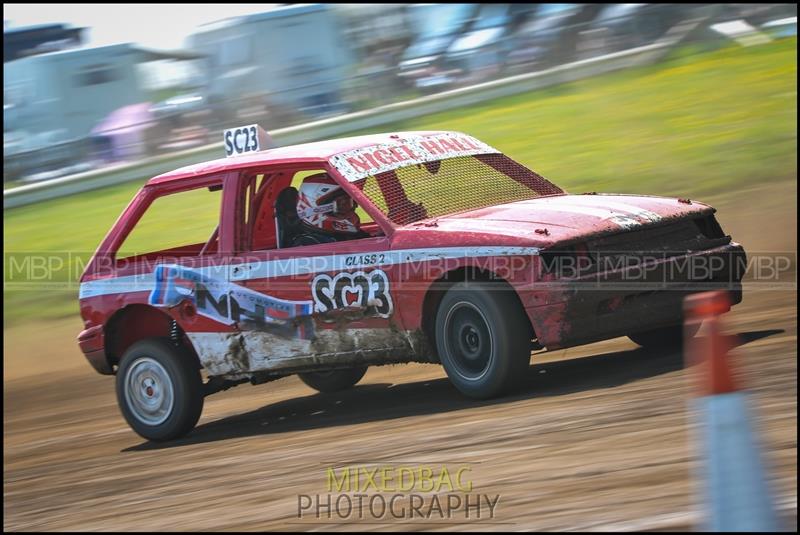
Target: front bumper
607	304
92	343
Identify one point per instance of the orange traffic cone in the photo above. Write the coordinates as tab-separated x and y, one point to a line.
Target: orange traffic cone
734	483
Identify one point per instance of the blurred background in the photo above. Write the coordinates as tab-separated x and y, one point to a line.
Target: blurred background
78	98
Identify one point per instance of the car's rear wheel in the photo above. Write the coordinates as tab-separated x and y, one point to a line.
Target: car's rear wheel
671	337
333	380
483	338
159	389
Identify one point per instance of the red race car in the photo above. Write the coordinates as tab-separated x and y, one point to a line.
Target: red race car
333	256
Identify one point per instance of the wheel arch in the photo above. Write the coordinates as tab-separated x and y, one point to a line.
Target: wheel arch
439	287
136	322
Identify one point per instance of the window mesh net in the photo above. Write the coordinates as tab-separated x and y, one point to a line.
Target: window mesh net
453	185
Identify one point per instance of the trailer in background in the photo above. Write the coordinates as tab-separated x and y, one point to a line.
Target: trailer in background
291	58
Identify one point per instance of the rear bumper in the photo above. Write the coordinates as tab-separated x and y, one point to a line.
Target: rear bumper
615	303
91	342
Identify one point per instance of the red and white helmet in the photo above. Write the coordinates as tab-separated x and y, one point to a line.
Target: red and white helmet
323	205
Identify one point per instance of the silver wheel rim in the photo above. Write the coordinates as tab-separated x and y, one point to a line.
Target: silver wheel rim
149	393
458	367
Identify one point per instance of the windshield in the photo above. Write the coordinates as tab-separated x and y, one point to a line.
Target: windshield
439	188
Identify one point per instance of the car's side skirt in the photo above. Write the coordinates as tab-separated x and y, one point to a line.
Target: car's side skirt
237	353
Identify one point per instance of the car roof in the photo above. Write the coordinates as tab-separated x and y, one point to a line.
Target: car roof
319	151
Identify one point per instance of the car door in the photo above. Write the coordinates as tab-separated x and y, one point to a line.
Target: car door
326	304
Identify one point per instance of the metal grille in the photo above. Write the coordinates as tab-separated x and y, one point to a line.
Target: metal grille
635	248
453	185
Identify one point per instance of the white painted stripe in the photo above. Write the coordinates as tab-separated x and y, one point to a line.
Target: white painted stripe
117	285
594	211
619	219
304	266
321	264
625	207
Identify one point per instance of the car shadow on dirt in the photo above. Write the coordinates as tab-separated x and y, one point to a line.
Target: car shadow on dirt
384	401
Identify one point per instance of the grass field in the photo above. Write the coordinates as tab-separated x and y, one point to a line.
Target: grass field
691	126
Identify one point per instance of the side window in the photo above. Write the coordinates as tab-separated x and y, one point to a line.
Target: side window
181	223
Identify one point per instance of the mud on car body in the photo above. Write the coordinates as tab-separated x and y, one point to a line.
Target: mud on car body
467	258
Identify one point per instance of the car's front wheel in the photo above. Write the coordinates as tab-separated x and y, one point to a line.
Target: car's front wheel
159	389
483	338
333	380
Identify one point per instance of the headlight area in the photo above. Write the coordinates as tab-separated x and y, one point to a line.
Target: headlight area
566	263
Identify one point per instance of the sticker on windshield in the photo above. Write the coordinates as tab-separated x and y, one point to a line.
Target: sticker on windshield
361	163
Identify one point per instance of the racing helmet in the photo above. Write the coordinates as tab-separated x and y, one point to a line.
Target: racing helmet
324	206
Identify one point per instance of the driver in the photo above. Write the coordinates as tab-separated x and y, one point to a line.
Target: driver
327	213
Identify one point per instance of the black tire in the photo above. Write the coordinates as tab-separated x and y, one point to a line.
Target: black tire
664	337
333	380
483	338
153	368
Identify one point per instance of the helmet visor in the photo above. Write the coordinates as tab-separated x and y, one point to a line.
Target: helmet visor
343	204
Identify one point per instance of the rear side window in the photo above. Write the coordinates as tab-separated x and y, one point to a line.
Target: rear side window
182	223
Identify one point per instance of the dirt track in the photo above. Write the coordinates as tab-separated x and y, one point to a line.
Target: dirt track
599	439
